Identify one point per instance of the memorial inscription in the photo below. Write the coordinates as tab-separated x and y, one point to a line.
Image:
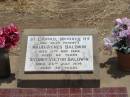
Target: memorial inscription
59	53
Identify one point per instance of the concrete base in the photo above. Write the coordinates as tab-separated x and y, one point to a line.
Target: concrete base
61	79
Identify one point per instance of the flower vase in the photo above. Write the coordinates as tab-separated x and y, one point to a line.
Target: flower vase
4	63
123	61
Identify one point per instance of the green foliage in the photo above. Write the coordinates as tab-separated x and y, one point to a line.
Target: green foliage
122	46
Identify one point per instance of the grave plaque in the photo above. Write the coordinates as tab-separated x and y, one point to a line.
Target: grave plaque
62	58
59	53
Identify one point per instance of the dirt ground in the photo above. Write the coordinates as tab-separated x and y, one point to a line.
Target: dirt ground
98	14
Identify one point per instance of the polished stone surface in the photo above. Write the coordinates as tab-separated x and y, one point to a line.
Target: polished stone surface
59	53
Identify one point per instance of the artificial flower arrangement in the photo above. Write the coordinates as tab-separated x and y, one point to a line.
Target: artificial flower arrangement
120	41
120	38
9	36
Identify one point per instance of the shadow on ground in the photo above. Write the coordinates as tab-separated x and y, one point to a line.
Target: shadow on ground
113	68
8	80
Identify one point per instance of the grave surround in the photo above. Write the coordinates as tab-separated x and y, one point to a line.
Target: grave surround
58	79
65	92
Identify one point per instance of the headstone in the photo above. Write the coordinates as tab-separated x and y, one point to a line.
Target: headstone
59	58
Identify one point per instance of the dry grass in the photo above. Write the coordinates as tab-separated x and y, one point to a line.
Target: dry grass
89	7
13	5
21	5
95	13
